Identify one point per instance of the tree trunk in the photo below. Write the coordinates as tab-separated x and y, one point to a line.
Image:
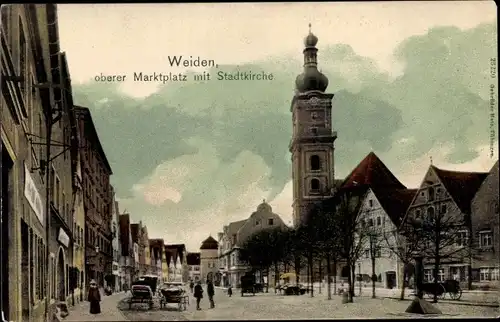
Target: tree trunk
311	271
276	277
297	269
335	276
320	262
373	277
353	280
328	274
349	281
435	275
402	296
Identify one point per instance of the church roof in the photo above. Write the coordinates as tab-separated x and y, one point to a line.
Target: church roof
462	186
395	202
193	259
209	243
371	171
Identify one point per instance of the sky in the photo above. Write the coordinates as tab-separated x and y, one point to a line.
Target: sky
411	81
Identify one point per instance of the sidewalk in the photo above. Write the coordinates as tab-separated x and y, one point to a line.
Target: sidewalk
109	310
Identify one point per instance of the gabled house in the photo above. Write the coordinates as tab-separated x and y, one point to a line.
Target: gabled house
485	230
139	256
178	269
448	195
383	207
194	262
156	247
234	236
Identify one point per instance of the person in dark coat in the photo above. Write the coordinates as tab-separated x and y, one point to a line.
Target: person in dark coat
198	294
191	286
211	293
229	290
94	297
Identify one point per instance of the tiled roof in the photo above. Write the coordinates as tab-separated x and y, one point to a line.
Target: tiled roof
134	229
124	222
233	227
395	202
209	243
371	171
462	186
193	258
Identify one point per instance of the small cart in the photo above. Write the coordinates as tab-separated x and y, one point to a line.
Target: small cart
176	294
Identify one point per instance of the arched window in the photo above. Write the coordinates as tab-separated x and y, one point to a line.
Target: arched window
315	162
431	194
314	184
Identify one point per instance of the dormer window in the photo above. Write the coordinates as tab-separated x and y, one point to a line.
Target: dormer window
257	222
270	221
370	202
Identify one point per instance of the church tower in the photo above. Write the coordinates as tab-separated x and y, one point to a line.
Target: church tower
313	138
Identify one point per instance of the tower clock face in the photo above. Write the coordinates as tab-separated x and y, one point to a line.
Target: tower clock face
314	101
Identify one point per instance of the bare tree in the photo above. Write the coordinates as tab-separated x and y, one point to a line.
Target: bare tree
352	237
405	248
445	237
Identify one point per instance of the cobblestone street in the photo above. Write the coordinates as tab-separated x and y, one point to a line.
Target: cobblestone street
276	307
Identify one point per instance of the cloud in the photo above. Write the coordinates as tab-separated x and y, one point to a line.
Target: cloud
201	154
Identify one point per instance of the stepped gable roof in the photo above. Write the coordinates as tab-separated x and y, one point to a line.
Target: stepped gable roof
462	186
178	250
171	254
395	202
124	224
371	171
134	229
193	259
209	243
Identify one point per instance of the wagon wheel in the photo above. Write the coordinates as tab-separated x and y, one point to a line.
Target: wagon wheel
442	289
456	295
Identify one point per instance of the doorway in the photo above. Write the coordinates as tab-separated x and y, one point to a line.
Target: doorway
60	274
5	214
390	278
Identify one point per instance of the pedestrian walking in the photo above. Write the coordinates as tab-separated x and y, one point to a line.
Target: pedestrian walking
191	286
229	290
211	293
94	297
198	294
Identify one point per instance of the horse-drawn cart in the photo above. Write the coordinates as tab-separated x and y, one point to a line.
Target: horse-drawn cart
440	289
141	294
176	294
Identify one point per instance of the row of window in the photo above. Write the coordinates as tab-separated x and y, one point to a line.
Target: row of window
94	239
78	234
431	211
370	222
459	274
270	222
195	268
37	266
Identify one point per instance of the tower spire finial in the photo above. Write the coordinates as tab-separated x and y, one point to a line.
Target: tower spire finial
430	159
310	27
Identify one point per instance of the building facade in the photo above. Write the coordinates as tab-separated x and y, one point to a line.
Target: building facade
139	259
25	54
78	234
115	233
97	200
234	235
209	261
485	231
448	194
312	143
178	270
127	258
193	262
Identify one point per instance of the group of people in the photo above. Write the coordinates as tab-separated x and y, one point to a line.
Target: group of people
197	291
94	295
